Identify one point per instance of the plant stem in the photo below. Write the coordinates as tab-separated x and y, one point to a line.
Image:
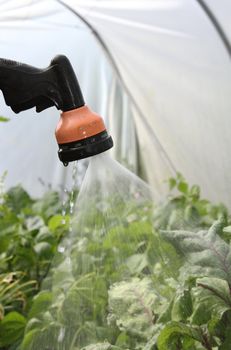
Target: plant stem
206	342
179	345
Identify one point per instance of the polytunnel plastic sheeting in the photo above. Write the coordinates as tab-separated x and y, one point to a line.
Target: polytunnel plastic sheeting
177	70
34	32
221	14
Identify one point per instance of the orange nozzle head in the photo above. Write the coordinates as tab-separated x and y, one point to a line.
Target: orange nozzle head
78	124
81	133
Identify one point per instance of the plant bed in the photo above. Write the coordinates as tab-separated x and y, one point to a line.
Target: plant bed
159	279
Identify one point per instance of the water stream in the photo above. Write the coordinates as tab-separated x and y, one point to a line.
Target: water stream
110	238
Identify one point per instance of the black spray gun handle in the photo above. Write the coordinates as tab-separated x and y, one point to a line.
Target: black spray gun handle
25	86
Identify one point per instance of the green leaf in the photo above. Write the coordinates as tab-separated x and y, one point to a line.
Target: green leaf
44	235
122	339
33	323
43	249
17	199
191	216
131	306
25	258
40	303
41	338
152	342
171	183
218	289
176	218
166	315
204	250
11	328
49	205
174	332
212	299
4	119
34	223
182	305
30	339
137	262
81	295
183	187
227	229
195	192
227	340
55	222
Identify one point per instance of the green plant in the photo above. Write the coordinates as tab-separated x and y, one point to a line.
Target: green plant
30	231
4	119
134	288
184	208
200	320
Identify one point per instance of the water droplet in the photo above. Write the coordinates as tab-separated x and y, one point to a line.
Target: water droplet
61	249
72	195
61	335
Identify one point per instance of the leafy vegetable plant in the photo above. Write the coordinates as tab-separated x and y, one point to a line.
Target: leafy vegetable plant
159	279
30	231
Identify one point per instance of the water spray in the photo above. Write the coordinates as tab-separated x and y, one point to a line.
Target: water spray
80	133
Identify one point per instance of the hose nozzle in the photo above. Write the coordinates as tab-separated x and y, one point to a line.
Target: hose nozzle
80	132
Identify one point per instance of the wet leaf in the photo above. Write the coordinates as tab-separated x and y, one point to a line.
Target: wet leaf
4	119
11	328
